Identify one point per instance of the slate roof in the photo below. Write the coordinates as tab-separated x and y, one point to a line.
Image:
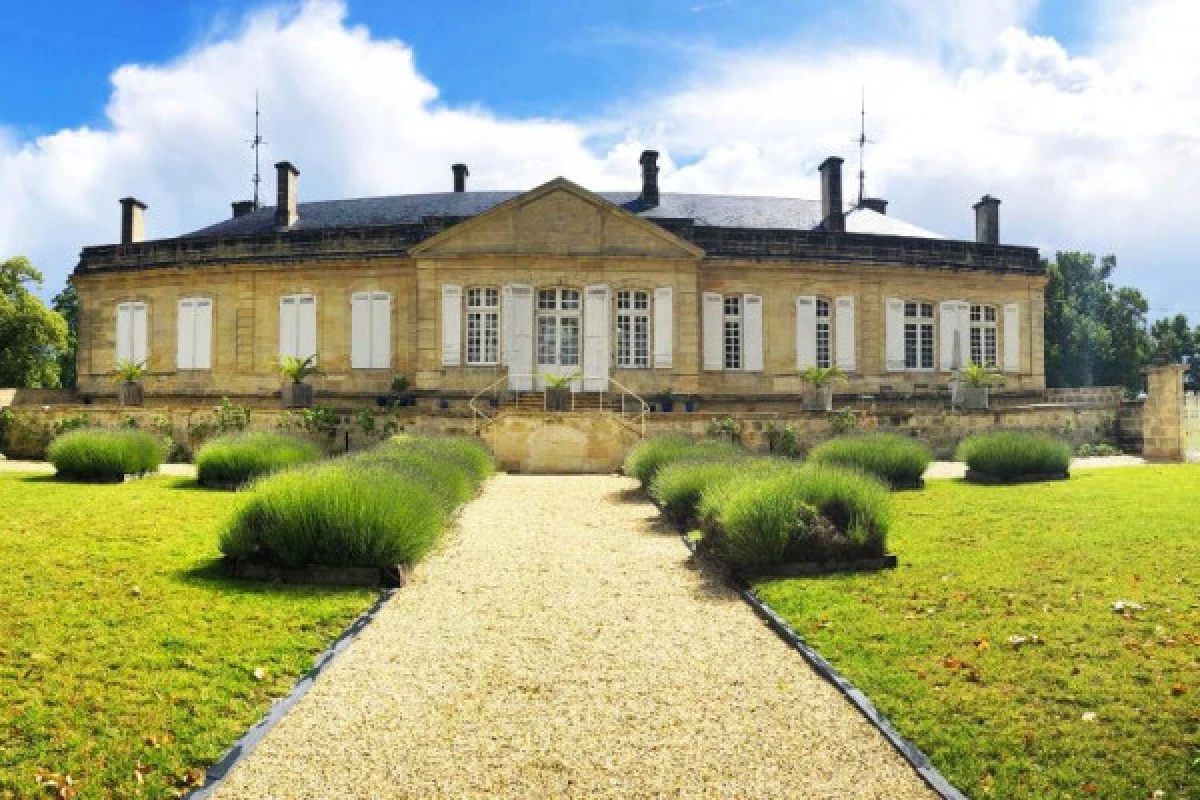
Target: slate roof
706	210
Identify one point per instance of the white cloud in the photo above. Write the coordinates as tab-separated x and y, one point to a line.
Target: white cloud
1097	150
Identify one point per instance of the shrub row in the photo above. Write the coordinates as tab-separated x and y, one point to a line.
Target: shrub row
1014	454
234	459
100	455
379	508
899	461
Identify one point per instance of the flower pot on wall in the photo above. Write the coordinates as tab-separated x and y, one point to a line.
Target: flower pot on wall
297	395
820	399
129	394
974	398
666	406
558	399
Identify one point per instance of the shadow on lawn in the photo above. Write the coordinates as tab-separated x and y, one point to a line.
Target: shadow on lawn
211	573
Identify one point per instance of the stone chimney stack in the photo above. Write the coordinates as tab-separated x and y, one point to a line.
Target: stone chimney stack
460	177
286	205
833	216
133	225
242	207
987	220
649	162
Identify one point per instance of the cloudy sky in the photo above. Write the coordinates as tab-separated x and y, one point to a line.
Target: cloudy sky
1083	117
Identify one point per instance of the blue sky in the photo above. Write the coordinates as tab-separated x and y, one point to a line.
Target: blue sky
1081	116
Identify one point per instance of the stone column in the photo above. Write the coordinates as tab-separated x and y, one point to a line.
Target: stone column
1162	416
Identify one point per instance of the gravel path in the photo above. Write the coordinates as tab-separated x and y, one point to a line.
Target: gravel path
957	469
45	467
564	645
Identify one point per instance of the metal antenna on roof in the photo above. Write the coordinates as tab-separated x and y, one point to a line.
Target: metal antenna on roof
863	141
256	144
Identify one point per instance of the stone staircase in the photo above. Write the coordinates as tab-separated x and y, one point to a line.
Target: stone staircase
581	401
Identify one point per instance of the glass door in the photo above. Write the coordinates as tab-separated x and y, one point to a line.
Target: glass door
559	330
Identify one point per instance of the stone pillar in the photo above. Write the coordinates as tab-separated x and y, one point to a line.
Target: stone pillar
1162	416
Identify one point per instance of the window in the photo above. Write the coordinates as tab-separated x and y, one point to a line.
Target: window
483	326
733	332
131	332
824	338
298	325
983	336
918	335
633	329
370	330
558	327
194	334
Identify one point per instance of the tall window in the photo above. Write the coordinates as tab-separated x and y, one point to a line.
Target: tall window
633	329
824	338
298	325
558	327
194	334
983	336
918	335
483	326
131	332
370	330
733	332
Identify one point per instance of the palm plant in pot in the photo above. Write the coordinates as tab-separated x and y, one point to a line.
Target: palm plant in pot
128	378
297	393
976	380
820	380
401	393
558	391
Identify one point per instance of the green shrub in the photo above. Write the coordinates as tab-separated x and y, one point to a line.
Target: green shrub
1010	454
717	492
235	459
677	487
898	460
1093	449
104	455
467	453
648	456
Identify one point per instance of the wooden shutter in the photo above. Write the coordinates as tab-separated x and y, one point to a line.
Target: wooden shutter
713	331
141	347
1012	338
381	330
451	325
202	356
360	330
843	334
893	349
664	320
595	339
517	323
952	331
806	332
124	334
185	335
287	326
752	333
306	327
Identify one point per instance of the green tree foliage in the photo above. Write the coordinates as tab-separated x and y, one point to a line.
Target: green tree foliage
66	303
1174	337
31	335
1095	332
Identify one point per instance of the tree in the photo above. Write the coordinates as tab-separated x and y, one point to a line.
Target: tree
31	335
1174	337
66	303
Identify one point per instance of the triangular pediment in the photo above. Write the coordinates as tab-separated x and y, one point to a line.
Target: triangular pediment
557	218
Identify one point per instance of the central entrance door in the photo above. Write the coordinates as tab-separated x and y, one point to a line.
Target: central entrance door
558	327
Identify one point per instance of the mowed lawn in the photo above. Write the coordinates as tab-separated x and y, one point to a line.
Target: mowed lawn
125	661
1100	703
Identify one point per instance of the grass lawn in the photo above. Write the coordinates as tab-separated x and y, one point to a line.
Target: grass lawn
125	661
1101	704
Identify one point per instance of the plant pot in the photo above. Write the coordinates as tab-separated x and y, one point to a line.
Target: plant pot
974	398
690	406
297	395
667	406
129	394
558	399
819	399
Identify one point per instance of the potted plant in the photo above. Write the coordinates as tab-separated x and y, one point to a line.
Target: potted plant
975	380
128	379
666	401
297	394
820	380
401	395
558	391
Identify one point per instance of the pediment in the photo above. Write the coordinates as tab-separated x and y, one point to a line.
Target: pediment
557	218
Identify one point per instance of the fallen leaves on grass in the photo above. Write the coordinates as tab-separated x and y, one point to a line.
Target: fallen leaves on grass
63	786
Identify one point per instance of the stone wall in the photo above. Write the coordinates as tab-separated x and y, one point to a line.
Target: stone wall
1094	395
1163	417
1191	434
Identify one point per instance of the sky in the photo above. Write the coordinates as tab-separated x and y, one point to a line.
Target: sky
1083	117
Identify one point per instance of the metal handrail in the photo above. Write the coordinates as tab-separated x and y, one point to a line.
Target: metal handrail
483	418
643	406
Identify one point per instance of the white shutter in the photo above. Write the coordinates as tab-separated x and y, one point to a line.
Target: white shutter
185	336
806	332
451	325
360	330
1012	338
141	349
713	330
950	333
843	335
517	322
595	339
287	326
202	356
664	320
894	335
306	327
124	333
381	330
752	334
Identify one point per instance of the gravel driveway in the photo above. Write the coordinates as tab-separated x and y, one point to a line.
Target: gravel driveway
564	645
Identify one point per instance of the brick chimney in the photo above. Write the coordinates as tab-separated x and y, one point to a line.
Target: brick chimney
987	220
242	207
286	206
133	226
460	177
876	204
833	217
649	162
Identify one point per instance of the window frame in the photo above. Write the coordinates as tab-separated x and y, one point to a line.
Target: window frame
981	326
823	323
487	335
734	321
628	355
921	323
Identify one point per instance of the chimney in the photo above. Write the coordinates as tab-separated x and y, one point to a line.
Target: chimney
833	217
649	162
876	204
286	212
460	177
133	226
987	220
242	207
